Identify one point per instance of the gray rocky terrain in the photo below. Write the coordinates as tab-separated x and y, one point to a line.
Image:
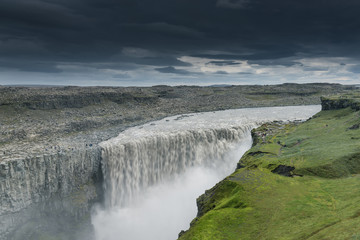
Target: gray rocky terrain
50	160
38	120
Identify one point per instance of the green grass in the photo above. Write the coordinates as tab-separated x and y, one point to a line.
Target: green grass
318	147
254	203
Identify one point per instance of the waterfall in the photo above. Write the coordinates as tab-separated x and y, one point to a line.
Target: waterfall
133	166
153	173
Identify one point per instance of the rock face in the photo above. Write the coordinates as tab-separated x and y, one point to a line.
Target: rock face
333	103
32	180
32	183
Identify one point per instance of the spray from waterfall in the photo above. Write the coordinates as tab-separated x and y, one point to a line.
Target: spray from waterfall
153	173
132	167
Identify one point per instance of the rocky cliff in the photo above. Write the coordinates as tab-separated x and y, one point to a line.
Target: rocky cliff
68	181
341	101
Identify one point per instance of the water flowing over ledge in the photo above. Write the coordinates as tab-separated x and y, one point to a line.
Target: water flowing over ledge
155	152
131	167
153	173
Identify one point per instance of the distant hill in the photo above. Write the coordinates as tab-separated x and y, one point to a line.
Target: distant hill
33	85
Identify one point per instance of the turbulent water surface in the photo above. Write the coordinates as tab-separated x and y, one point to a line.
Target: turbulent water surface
153	173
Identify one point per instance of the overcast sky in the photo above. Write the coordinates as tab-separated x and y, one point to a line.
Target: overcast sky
197	42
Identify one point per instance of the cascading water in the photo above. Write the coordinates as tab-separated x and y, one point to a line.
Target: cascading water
131	167
153	173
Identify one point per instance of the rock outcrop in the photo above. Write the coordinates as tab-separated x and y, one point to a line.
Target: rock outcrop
339	102
67	181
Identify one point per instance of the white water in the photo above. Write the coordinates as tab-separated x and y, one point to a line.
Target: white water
154	173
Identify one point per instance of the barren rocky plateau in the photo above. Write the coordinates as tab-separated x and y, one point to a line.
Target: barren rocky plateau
38	120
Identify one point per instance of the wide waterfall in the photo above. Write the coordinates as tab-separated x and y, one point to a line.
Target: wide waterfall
136	165
153	173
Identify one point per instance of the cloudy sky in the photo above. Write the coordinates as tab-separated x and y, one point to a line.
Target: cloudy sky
194	42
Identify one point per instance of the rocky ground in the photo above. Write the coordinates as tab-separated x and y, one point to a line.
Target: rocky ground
52	119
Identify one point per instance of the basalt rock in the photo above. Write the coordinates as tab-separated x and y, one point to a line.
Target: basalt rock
42	188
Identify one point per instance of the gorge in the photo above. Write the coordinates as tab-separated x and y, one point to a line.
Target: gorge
51	193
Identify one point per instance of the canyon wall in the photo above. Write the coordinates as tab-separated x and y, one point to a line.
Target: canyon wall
60	184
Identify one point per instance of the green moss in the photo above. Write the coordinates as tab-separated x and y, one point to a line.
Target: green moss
223	195
270	148
254	203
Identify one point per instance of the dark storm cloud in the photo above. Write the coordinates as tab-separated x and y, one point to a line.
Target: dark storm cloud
44	67
122	75
40	35
37	13
263	53
221	72
232	3
156	61
354	69
173	70
223	63
274	62
165	29
318	69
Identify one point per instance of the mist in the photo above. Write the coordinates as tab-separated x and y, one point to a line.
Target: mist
165	209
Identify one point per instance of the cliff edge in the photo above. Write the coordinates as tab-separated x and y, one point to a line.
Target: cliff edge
351	100
298	181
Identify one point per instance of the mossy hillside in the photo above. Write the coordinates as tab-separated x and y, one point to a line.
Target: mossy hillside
276	207
258	204
350	99
317	147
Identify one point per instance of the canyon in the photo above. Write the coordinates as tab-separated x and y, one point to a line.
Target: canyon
54	145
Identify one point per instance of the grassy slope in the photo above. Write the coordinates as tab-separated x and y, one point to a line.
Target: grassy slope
254	203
